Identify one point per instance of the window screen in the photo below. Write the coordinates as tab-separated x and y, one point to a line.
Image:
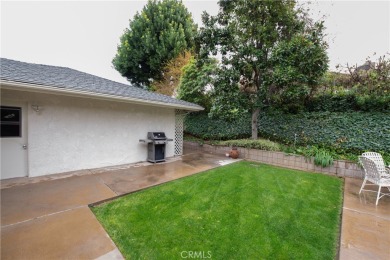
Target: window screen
11	121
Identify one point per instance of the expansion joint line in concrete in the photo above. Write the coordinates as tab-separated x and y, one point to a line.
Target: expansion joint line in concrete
104	183
47	215
367	213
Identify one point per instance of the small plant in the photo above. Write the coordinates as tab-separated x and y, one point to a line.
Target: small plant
323	158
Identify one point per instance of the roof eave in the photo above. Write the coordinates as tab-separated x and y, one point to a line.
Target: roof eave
13	85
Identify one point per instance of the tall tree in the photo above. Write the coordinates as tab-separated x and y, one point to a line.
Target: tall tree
249	35
298	68
196	82
172	73
156	35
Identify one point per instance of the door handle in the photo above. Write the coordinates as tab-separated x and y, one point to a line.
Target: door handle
25	146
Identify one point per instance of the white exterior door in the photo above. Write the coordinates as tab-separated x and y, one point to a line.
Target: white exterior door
13	140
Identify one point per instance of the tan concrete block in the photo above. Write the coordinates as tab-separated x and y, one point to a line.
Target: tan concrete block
356	167
311	166
340	172
285	162
275	160
290	164
280	155
330	170
350	165
354	173
242	152
341	164
317	168
260	160
302	159
291	160
349	173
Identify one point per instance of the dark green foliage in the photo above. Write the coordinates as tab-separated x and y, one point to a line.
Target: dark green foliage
299	64
202	126
264	45
156	35
229	103
241	211
353	132
348	101
195	80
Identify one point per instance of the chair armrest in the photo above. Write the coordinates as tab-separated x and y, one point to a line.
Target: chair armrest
386	174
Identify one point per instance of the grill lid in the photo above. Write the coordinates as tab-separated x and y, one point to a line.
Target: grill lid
156	136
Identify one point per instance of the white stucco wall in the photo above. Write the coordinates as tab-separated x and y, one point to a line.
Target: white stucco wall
72	133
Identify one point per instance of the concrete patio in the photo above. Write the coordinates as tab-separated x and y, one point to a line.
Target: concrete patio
49	218
365	230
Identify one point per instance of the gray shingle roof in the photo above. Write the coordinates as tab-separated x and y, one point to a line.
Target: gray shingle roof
66	78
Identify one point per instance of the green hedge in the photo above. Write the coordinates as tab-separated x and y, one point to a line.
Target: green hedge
348	102
353	132
200	125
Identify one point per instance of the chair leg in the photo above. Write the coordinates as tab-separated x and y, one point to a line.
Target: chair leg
379	192
364	183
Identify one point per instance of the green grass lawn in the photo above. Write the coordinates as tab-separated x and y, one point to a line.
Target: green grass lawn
240	211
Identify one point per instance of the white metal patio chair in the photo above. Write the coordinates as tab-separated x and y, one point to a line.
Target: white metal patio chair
377	174
377	158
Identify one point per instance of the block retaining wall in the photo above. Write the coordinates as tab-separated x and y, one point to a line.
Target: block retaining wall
340	168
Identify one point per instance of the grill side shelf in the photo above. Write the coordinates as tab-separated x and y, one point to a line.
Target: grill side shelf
146	141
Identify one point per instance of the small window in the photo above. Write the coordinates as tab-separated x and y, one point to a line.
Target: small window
11	121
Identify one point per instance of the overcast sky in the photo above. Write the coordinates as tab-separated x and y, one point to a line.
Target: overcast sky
84	35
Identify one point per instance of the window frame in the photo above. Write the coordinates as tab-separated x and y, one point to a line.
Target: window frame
10	123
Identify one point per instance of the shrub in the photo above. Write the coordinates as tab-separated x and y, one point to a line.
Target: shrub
200	125
261	144
348	101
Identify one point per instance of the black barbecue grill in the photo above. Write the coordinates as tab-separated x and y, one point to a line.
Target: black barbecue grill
156	146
